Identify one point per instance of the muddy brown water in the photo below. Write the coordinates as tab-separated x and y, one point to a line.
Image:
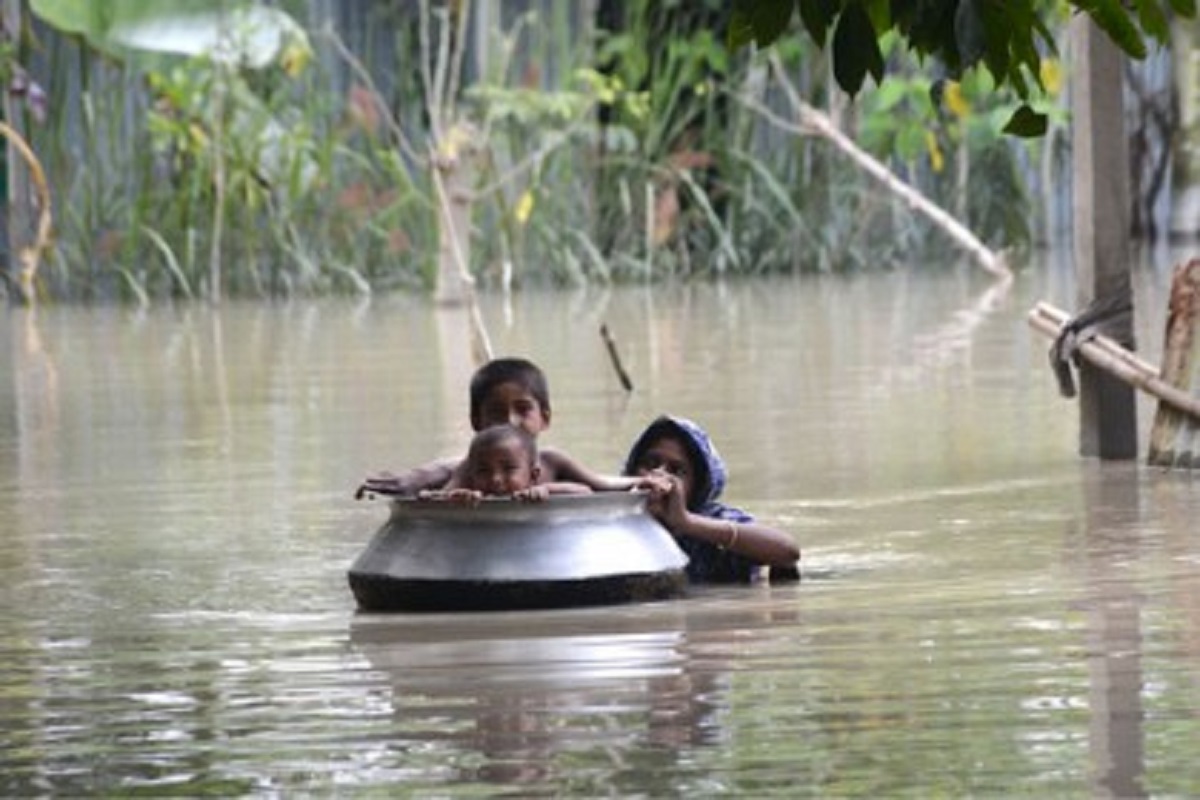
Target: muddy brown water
982	612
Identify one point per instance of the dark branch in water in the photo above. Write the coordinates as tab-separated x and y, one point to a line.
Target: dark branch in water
613	355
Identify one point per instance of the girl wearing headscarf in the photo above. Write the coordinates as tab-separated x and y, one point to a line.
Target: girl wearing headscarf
723	544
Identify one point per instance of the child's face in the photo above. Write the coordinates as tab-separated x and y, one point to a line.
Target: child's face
668	455
511	404
502	468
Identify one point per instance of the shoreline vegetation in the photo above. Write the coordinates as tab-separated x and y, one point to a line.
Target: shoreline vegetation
376	149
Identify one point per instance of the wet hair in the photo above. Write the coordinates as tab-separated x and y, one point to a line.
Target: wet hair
502	434
498	371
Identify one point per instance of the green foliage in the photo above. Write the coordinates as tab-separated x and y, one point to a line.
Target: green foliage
193	104
675	178
82	16
856	50
817	16
147	214
670	64
529	107
948	137
1009	38
1026	122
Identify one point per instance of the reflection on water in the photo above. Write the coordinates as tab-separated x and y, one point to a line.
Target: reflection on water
590	699
982	612
1114	612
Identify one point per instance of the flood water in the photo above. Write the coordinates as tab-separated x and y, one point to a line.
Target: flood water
982	612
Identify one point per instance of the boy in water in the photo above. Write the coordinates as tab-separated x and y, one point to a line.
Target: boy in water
504	391
502	461
723	543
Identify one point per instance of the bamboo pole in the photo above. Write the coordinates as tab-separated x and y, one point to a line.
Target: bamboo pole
1173	435
219	186
453	150
1104	353
455	284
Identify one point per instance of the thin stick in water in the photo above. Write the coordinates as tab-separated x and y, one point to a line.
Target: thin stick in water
615	357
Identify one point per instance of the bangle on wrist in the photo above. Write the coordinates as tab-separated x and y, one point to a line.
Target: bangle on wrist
733	536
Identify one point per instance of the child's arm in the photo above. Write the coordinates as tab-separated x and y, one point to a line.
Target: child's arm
433	475
540	491
534	494
458	476
463	497
558	466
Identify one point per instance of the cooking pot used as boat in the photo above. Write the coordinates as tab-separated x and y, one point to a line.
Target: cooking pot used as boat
569	550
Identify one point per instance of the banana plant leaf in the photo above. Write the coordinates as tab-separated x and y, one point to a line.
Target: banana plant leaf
238	32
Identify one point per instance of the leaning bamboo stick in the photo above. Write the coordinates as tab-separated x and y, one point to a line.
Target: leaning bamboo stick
811	121
1104	353
1173	435
1059	318
30	256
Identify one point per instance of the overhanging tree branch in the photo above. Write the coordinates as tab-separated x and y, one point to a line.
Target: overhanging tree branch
815	123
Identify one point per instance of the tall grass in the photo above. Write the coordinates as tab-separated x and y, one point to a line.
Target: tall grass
321	196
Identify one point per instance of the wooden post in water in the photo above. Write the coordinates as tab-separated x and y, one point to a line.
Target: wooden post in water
1108	418
452	172
1174	437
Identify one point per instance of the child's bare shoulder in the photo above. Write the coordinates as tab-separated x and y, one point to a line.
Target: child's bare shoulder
554	464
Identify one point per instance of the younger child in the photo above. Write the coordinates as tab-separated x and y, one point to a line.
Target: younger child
504	391
502	461
724	544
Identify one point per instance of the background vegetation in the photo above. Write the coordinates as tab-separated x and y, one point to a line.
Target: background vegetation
628	146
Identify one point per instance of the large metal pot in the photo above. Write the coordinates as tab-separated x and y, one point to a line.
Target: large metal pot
567	551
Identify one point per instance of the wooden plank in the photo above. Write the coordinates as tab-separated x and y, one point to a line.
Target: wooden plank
1100	236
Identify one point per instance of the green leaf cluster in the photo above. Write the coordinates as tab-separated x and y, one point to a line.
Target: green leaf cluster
1007	37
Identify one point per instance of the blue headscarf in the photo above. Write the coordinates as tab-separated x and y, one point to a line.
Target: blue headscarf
707	563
